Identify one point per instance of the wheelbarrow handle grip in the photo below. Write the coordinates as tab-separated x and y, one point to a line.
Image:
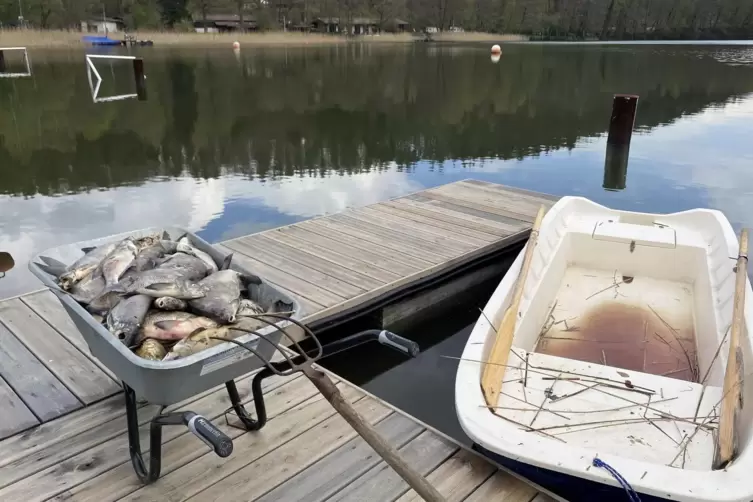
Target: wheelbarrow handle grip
210	434
397	342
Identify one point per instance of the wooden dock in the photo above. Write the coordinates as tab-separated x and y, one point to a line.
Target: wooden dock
62	436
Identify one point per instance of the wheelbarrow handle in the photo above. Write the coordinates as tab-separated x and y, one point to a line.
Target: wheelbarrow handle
397	342
209	433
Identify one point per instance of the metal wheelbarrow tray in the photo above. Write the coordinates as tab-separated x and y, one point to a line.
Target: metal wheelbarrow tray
168	382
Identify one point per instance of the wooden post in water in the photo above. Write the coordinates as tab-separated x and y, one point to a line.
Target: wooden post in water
623	118
2	61
621	125
138	75
615	167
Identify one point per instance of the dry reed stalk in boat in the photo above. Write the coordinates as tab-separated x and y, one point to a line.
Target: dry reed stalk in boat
491	377
727	444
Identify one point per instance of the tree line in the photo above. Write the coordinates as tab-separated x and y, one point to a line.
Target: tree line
544	19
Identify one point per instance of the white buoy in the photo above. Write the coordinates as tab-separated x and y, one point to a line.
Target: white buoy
496	49
236	45
496	58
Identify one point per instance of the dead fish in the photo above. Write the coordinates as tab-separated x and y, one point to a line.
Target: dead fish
118	261
151	349
197	268
89	288
125	319
222	296
178	288
103	303
148	258
84	265
200	340
172	325
249	307
175	282
170	303
185	246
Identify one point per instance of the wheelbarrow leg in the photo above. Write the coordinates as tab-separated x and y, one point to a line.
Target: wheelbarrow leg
150	474
243	415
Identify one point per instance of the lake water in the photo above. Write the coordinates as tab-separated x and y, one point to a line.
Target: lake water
232	143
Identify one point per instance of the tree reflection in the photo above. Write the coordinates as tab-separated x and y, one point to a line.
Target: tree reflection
342	109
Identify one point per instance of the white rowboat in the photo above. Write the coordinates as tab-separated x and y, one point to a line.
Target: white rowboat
619	353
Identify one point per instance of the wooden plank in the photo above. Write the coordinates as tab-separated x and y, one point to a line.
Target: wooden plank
382	258
424	454
16	415
55	431
39	389
331	268
267	472
390	238
479	209
487	227
438	238
507	198
120	482
363	240
457	478
73	368
40	442
520	191
331	474
460	211
306	291
511	208
502	486
293	236
251	247
48	307
101	456
461	233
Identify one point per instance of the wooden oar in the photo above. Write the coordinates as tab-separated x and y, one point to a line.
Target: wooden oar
491	378
727	439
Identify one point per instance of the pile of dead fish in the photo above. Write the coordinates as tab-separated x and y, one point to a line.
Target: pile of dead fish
164	299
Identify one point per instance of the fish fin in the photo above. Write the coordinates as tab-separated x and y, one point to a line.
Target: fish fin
114	288
281	307
88	249
52	262
52	270
226	262
184	236
157	286
197	331
250	279
167	325
165	235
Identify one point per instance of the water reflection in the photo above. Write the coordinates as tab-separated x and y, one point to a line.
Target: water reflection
230	143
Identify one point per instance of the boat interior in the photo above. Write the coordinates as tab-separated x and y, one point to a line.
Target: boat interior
621	336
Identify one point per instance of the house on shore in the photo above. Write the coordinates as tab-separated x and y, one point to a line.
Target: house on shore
102	25
223	23
359	25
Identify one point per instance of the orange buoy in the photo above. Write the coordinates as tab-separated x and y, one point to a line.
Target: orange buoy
496	49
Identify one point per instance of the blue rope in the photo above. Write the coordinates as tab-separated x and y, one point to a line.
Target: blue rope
632	495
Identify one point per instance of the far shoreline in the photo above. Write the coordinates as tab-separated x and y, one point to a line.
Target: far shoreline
49	39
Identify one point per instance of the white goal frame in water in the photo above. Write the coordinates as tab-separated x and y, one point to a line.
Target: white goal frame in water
4	74
92	73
